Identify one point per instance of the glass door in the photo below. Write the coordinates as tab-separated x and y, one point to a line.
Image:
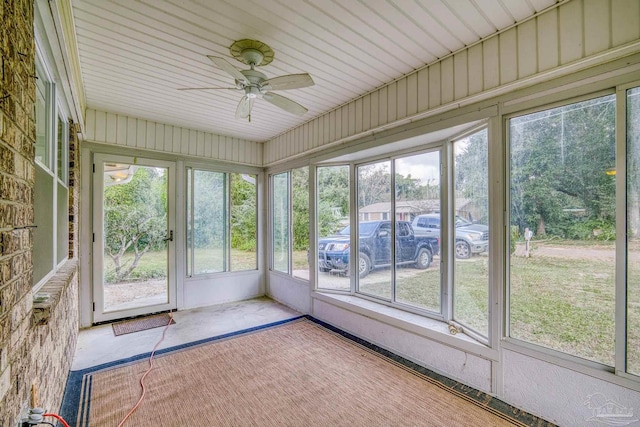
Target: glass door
133	233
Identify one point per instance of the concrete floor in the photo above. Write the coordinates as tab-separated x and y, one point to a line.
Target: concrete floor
98	345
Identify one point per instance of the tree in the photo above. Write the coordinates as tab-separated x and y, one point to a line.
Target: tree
135	219
243	212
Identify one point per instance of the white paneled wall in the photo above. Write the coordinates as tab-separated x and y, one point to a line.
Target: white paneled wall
109	128
573	31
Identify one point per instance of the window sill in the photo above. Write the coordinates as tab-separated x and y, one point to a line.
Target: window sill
422	326
52	290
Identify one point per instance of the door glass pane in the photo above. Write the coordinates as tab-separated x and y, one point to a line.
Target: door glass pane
633	231
471	208
562	237
300	221
244	222
135	226
332	227
417	189
209	222
280	225
374	233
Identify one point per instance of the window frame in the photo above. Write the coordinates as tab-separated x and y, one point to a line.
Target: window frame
618	373
55	114
290	219
445	148
188	257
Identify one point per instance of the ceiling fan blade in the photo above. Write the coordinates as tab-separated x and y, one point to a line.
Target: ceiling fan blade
225	65
207	88
244	107
284	103
290	81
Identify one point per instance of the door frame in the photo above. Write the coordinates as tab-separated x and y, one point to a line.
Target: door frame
97	219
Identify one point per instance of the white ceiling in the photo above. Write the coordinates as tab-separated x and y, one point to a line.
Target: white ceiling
135	54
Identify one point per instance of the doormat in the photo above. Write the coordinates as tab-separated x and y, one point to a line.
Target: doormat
141	324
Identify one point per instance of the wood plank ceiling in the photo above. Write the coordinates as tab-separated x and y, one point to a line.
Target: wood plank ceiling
134	55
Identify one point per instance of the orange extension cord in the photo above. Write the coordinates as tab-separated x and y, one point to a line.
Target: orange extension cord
145	374
57	417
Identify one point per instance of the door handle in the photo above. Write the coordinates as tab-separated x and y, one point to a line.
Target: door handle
170	238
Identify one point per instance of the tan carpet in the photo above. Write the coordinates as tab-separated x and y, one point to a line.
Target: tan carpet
296	374
141	324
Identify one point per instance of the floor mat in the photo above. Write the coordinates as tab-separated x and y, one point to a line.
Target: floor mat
141	324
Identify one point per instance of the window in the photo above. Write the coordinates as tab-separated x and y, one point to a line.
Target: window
411	262
290	222
471	232
51	193
633	231
221	222
300	222
563	228
280	222
332	211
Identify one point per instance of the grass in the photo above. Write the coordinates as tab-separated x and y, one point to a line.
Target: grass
561	303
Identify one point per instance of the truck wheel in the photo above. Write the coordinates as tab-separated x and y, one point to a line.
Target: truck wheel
463	250
364	265
423	260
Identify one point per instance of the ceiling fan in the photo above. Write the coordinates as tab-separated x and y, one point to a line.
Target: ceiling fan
255	84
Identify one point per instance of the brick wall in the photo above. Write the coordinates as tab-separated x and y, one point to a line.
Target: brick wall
36	343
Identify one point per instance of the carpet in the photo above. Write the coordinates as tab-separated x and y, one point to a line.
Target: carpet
141	324
299	372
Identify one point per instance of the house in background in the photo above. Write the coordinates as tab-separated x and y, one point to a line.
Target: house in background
90	87
407	210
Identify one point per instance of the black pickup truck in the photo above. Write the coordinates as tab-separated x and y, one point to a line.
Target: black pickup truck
375	248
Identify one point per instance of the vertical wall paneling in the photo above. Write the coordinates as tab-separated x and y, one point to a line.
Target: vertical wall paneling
207	146
200	144
168	138
344	113
320	136
412	94
236	149
193	142
150	142
222	147
176	142
508	56
625	16
401	98
326	126
423	89
446	79
375	108
184	141
132	134
358	115
112	128
352	118
90	120
392	102
382	105
229	149
527	47
548	48
141	133
317	132
121	130
597	19
215	146
491	63
434	85
475	69
461	75
332	125
570	25
159	140
366	112
100	126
